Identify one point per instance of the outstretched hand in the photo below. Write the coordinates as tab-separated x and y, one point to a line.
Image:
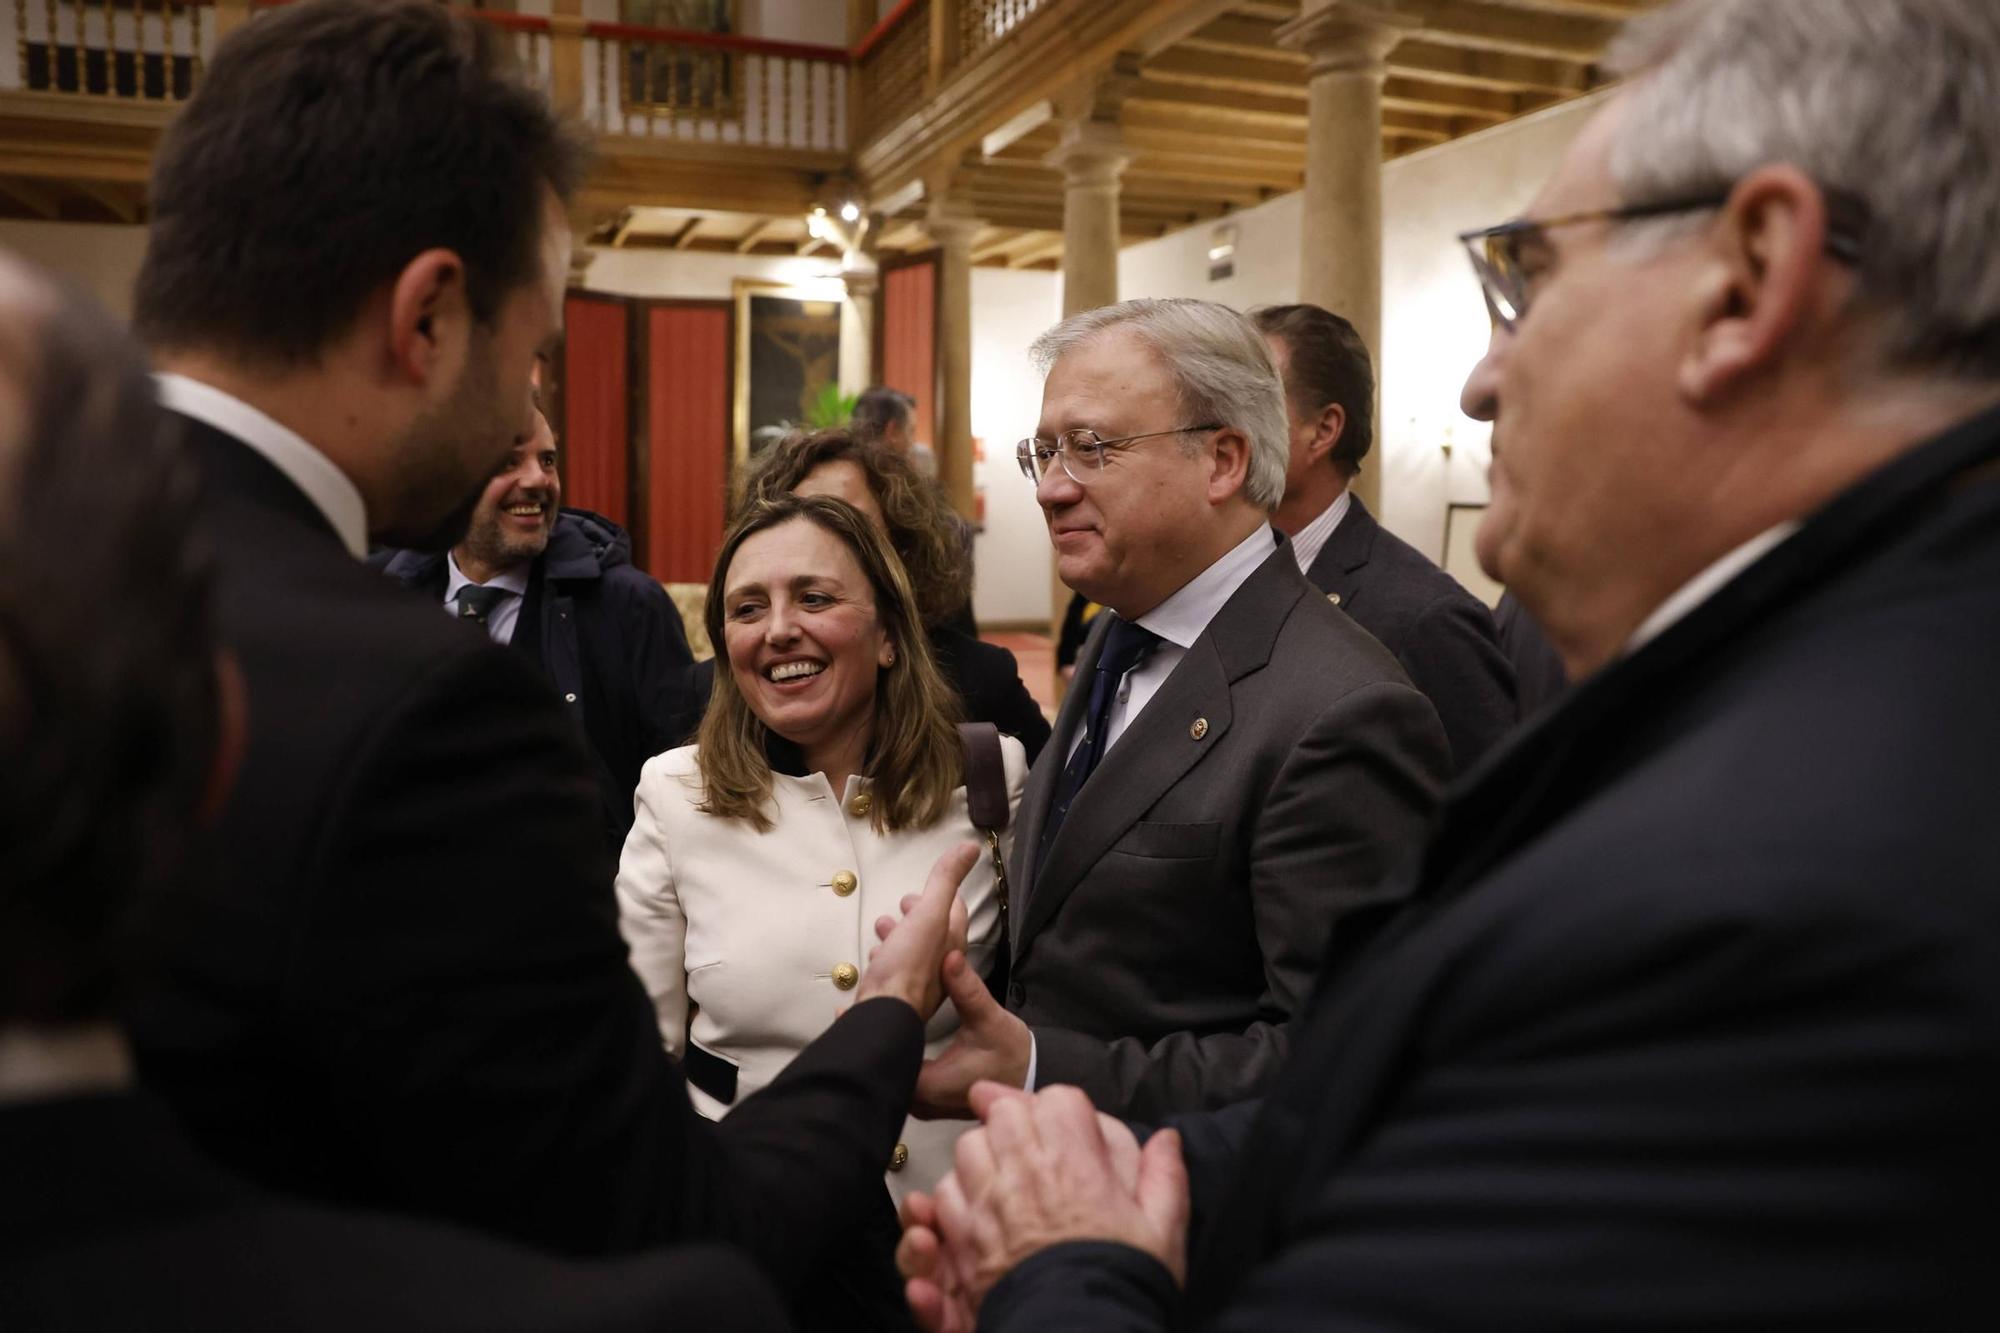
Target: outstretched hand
990	1044
908	963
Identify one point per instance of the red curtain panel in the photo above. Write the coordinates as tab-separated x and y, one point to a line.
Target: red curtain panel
909	339
687	438
596	474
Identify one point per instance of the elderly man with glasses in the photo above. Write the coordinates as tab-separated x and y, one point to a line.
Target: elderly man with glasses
1693	1020
1238	765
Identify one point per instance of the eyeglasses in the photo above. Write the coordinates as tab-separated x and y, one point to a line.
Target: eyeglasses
1506	257
1082	452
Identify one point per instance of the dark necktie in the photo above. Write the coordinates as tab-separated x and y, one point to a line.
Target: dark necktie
1125	646
476	603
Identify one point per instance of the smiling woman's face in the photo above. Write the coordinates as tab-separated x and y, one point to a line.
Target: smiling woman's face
804	639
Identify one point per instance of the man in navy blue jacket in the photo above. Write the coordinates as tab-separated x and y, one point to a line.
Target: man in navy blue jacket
558	586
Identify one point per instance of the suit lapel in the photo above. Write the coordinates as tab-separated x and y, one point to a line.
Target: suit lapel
1153	754
1040	790
1337	570
1156	749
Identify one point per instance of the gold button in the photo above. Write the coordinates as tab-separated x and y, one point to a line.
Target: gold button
1199	729
1333	597
860	805
845	883
899	1158
845	975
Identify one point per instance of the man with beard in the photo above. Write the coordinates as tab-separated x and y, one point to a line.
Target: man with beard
557	585
401	983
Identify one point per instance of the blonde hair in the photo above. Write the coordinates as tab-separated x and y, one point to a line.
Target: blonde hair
915	757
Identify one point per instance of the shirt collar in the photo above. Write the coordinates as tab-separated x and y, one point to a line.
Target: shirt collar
514	580
307	468
1181	619
1706	584
1311	539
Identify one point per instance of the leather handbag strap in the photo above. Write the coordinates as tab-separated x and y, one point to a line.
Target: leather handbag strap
985	776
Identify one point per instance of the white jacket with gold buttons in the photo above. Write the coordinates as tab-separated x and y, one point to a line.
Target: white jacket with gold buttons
767	933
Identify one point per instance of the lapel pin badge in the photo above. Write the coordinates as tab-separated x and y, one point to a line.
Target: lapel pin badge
1199	729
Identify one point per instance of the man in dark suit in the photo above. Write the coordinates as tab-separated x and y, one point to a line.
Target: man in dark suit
406	988
1694	1018
558	586
119	727
1441	634
1237	765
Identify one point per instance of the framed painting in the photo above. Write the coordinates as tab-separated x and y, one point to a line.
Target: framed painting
692	81
787	354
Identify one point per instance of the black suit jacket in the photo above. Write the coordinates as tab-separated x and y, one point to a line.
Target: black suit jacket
1695	1019
403	985
109	1220
609	640
1441	634
1280	774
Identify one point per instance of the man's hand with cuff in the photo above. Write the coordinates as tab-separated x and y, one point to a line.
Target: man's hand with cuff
1045	1169
991	1044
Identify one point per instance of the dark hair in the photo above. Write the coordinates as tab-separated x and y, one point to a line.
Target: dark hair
329	144
1327	363
876	408
921	525
108	696
915	756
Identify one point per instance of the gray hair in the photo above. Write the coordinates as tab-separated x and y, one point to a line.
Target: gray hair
1220	364
1892	103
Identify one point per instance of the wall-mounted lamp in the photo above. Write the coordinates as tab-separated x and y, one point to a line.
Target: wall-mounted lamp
1222	253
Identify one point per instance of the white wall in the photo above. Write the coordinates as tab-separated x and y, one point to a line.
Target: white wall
1010	307
1434	325
102	259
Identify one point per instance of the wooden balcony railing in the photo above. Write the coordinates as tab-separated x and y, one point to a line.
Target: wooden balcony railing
622	80
653	83
656	83
131	50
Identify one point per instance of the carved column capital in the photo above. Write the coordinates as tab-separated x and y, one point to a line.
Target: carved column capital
1090	153
1347	36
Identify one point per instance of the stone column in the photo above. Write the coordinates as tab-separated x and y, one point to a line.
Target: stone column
857	322
1346	42
953	230
1092	157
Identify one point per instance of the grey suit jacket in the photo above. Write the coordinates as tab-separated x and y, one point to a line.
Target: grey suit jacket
1442	635
1268	788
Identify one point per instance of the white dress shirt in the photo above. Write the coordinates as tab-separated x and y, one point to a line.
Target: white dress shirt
1706	584
1179	621
284	448
501	620
1311	539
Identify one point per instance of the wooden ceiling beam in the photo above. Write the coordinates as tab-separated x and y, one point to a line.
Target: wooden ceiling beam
756	232
1497	70
1491	27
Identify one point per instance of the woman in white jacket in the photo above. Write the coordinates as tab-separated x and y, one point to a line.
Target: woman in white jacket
828	777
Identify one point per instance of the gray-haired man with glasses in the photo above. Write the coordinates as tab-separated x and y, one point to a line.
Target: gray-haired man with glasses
1237	765
1693	1020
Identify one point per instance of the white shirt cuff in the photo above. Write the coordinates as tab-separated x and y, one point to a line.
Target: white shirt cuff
1030	1084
